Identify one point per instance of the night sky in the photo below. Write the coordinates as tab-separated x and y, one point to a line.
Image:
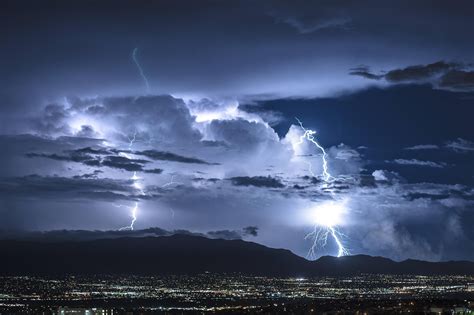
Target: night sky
186	112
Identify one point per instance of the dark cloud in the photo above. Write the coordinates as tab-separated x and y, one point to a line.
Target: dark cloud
64	188
364	71
419	72
124	163
257	181
312	179
154	171
367	180
168	156
234	234
29	142
84	156
28	154
202	179
72	157
209	143
367	75
88	132
458	80
441	193
87	235
81	235
250	230
94	174
225	234
296	186
57	157
441	74
97	151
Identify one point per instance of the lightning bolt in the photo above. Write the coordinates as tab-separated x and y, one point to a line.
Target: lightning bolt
309	135
132	139
320	235
321	232
134	218
140	69
171	182
134	211
136	184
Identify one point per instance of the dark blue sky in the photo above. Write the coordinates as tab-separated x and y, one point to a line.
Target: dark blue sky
213	146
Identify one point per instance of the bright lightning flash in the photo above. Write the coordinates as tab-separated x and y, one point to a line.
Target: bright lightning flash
328	215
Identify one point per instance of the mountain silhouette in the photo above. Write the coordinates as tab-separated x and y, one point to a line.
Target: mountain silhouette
190	254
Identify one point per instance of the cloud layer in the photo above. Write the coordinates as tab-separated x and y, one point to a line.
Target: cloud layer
228	165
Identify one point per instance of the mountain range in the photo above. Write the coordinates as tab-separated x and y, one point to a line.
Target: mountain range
193	254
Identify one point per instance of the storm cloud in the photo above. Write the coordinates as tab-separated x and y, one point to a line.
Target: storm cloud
257	181
168	156
441	74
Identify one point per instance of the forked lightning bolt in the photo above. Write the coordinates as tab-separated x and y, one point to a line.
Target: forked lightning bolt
132	139
324	227
320	236
171	182
309	135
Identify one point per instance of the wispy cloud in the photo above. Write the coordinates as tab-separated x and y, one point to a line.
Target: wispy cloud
423	147
461	145
416	162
